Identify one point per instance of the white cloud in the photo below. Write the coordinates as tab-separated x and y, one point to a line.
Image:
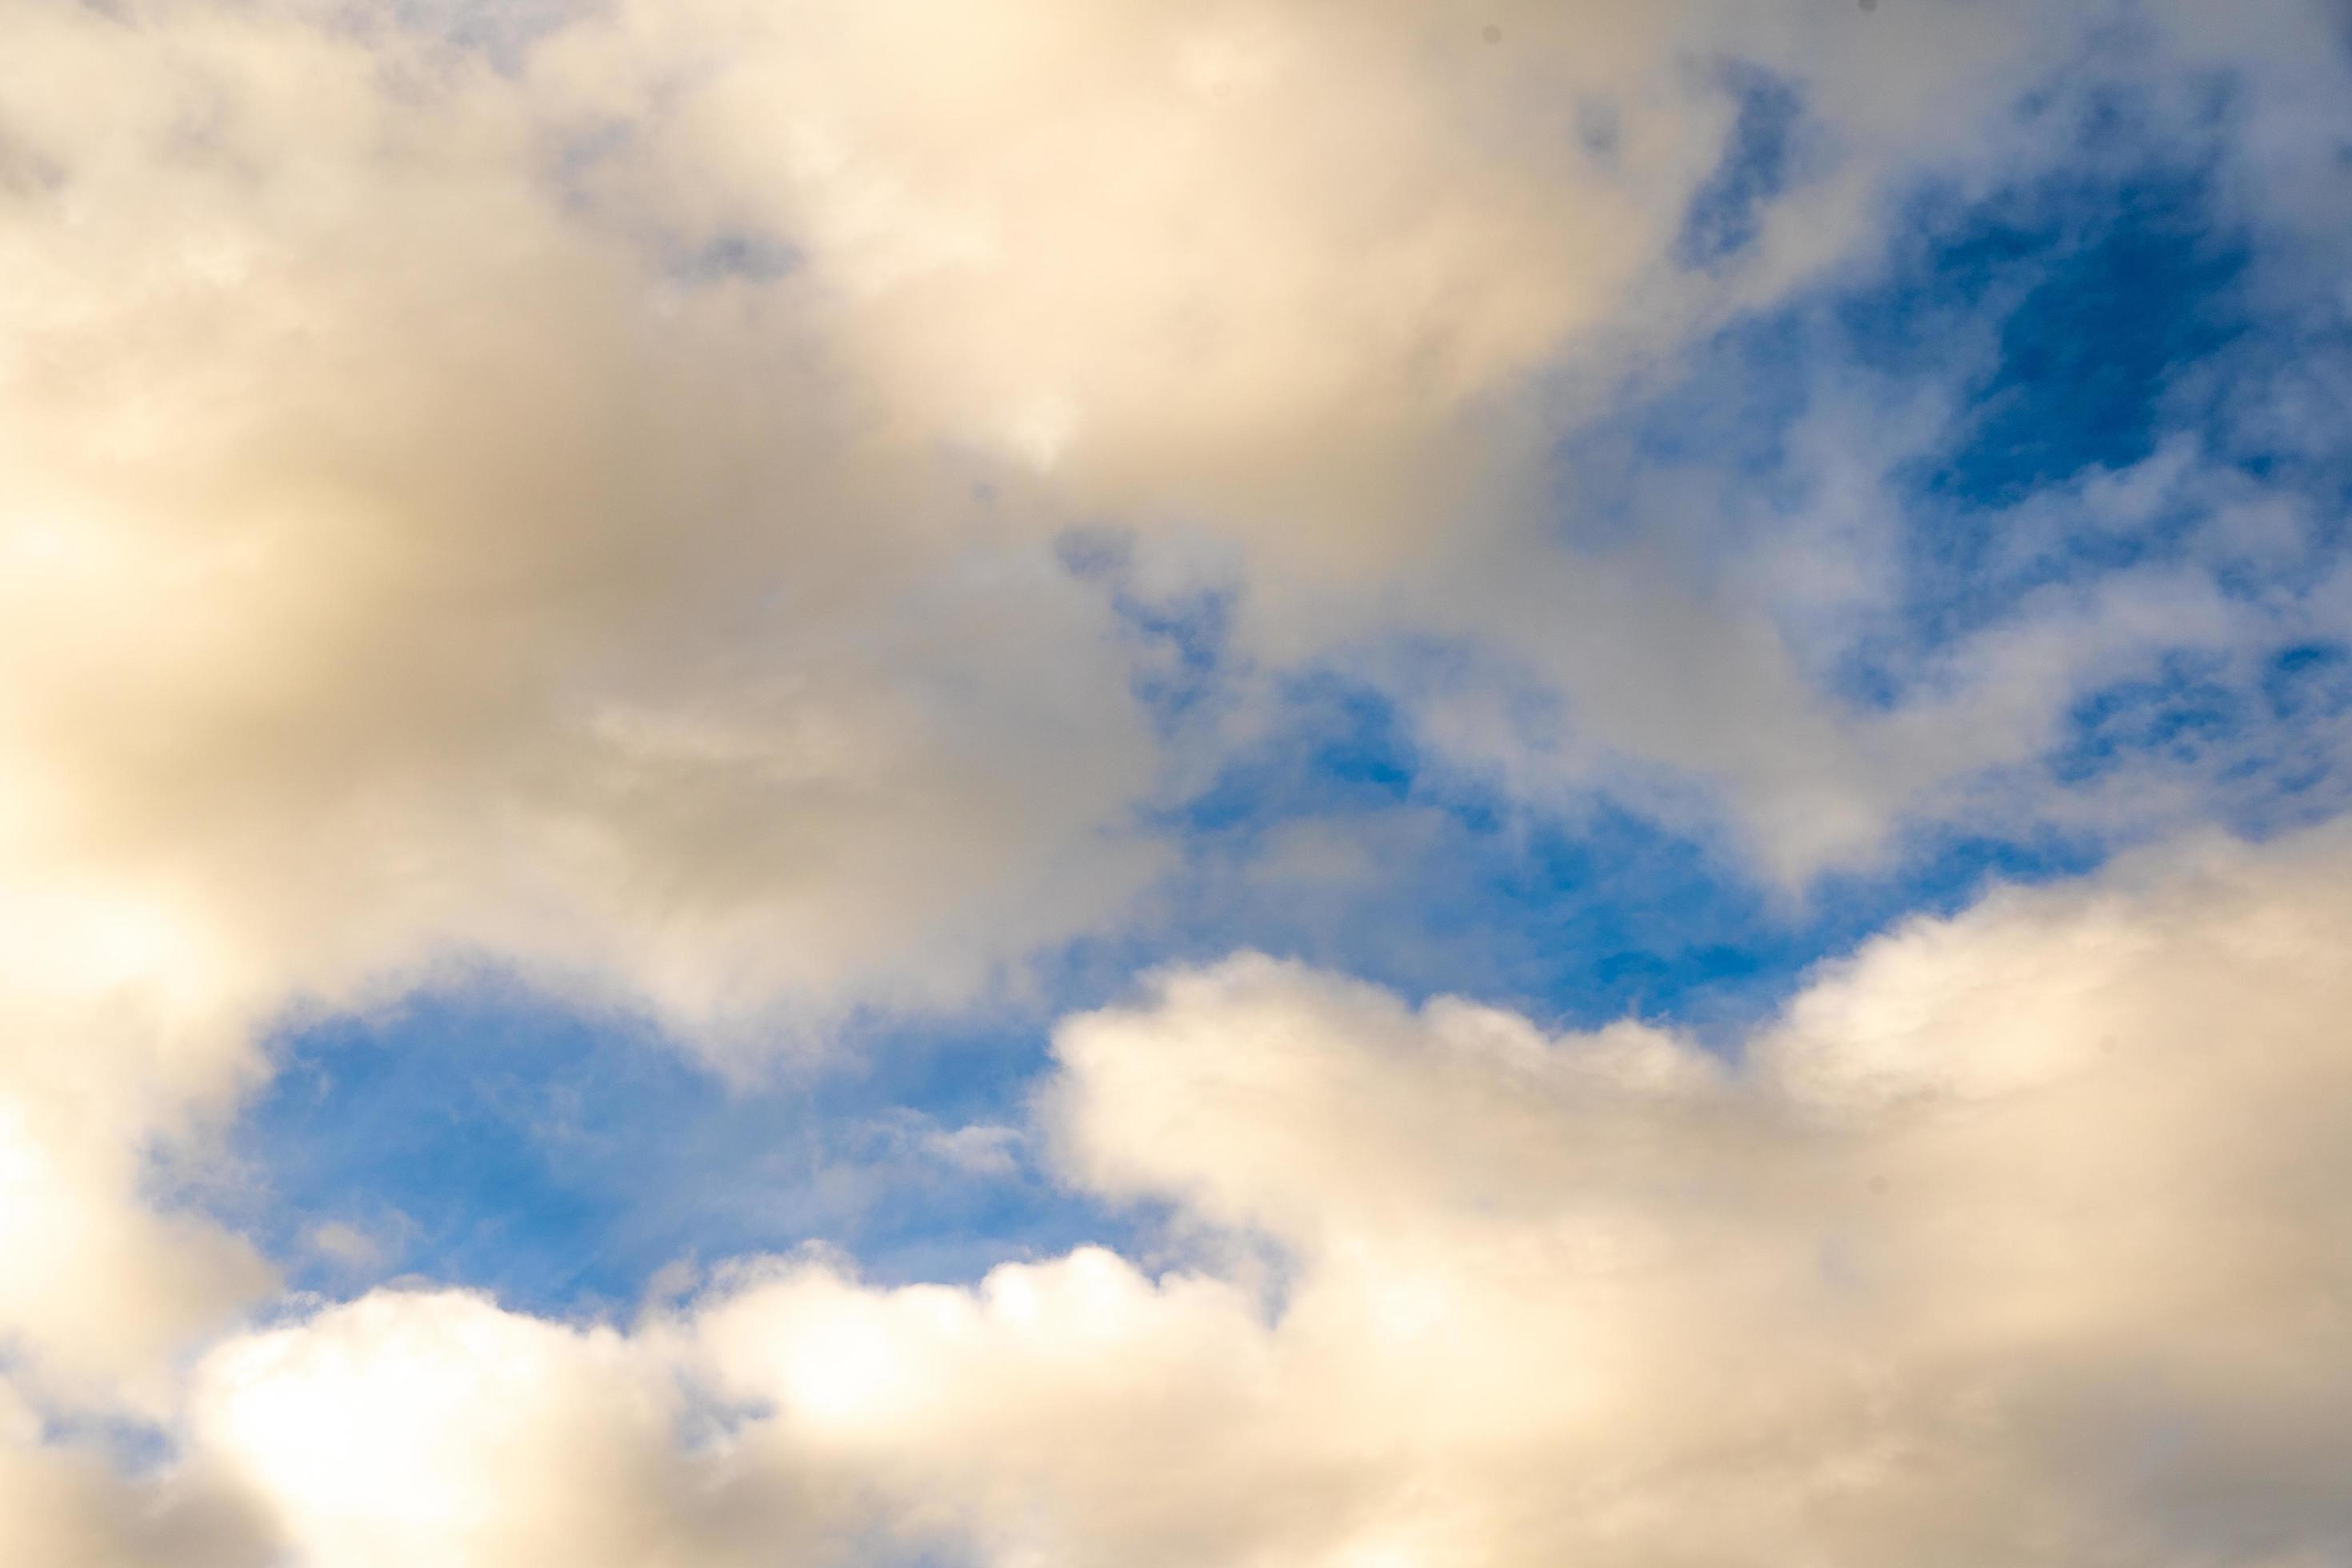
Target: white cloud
418	544
347	1246
436	1428
377	609
1322	282
2014	1239
976	1149
394	573
66	1504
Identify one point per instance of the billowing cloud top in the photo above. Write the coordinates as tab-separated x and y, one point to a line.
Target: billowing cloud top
800	534
2011	1240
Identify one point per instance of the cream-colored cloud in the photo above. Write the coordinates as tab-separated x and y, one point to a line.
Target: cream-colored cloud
118	1030
387	570
103	1288
64	1504
422	536
397	568
1253	257
2014	1239
1280	268
392	570
1319	281
593	506
435	1428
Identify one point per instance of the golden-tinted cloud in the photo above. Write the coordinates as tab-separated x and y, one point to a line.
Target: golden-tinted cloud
590	504
2013	1239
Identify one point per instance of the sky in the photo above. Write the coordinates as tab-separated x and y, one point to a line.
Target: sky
1106	783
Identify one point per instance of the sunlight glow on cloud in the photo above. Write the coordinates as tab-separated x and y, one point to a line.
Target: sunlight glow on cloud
1898	1282
783	530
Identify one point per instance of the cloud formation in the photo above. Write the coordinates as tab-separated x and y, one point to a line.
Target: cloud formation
400	569
2012	1239
594	494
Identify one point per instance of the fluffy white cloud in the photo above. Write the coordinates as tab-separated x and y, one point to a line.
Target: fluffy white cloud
394	567
2015	1239
436	1428
398	567
66	1504
593	506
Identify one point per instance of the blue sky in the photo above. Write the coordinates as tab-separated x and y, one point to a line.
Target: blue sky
486	1134
1023	785
2075	321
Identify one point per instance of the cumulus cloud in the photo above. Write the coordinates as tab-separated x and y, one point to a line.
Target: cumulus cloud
590	501
65	1503
1317	286
2013	1238
436	1428
398	567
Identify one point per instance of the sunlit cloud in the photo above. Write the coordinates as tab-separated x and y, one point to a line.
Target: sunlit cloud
1747	602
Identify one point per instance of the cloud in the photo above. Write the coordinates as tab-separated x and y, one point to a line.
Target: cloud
1252	261
65	1504
399	570
2013	1238
587	498
435	1427
484	597
978	1150
111	1043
